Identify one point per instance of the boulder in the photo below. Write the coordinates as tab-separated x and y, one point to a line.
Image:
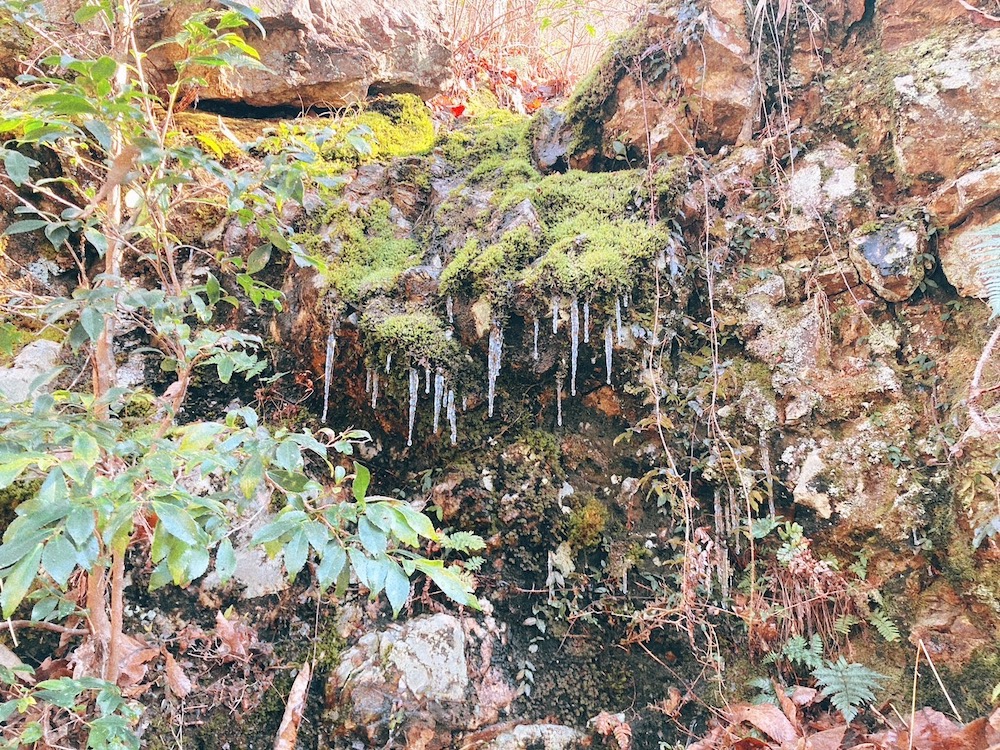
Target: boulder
327	53
34	360
538	737
948	106
890	259
954	203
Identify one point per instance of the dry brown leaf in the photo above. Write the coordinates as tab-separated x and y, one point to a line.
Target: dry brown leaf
787	706
931	728
829	739
767	718
710	741
135	656
804	696
178	682
288	731
234	636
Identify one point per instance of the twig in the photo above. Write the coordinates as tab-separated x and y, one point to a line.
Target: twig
47	626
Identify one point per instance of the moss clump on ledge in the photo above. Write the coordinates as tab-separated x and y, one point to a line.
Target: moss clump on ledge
368	257
419	337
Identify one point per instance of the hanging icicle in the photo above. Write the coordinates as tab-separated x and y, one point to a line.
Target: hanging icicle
619	333
609	345
439	397
331	350
493	362
574	336
586	321
626	299
449	305
453	417
368	380
534	350
374	391
414	390
555	314
388	363
559	386
427	380
465	404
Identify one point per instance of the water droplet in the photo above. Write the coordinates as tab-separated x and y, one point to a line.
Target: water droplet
331	351
574	336
493	362
414	390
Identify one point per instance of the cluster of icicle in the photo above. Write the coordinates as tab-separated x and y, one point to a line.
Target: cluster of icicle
443	398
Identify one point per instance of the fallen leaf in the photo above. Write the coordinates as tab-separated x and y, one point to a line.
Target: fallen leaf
749	743
767	718
178	682
931	728
788	708
288	731
458	110
135	656
804	696
829	739
235	637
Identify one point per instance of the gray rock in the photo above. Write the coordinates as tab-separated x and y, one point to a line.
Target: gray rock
34	360
537	737
890	260
550	141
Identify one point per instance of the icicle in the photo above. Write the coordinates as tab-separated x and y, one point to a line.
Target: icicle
574	336
331	350
465	404
626	298
453	417
427	380
618	322
586	321
414	390
368	380
493	362
559	385
449	305
374	391
534	351
439	397
388	362
555	314
609	344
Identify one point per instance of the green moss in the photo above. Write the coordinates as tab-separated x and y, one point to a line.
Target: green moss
419	336
493	141
13	496
370	257
401	125
490	270
587	524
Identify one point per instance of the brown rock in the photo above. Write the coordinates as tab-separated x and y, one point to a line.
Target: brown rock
604	400
957	200
329	53
948	106
907	21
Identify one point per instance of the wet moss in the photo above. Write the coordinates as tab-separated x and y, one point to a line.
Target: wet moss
587	524
419	337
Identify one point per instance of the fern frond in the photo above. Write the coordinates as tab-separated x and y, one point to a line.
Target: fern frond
885	626
988	248
848	686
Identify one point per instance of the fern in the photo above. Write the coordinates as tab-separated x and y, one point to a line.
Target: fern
988	247
885	626
848	686
807	653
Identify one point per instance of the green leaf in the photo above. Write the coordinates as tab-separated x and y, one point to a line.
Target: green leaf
18	166
85	448
178	522
25	225
258	258
362	478
283	524
59	559
372	539
397	587
103	67
296	552
288	456
456	585
334	558
225	560
19	580
93	322
80	524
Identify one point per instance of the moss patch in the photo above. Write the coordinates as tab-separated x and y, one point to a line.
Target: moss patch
418	336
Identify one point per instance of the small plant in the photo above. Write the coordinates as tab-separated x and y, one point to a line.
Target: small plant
849	686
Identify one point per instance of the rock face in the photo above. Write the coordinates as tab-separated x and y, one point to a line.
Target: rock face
332	53
891	259
36	359
431	676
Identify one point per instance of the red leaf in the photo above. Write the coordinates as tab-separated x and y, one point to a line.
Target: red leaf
458	110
